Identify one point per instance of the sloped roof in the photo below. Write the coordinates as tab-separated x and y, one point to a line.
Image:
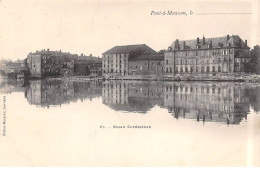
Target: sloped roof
233	41
147	57
66	55
129	48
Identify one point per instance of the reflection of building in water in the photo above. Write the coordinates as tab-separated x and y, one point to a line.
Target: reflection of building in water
221	102
8	86
47	93
132	96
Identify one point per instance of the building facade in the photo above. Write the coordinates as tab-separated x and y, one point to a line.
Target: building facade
115	62
207	56
146	65
87	67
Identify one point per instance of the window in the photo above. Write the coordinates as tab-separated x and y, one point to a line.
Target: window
219	69
186	69
196	53
176	69
170	69
208	69
202	69
230	51
181	69
197	69
191	69
213	69
166	61
225	52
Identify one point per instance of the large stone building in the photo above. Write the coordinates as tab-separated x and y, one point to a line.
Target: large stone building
207	56
56	63
146	65
116	60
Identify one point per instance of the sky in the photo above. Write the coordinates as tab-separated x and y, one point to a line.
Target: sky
93	27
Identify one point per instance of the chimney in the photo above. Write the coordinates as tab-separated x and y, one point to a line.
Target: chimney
184	45
198	40
246	43
203	40
228	37
48	49
90	55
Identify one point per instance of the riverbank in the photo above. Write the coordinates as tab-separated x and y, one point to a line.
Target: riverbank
240	78
249	78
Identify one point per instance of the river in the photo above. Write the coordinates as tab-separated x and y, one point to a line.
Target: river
129	123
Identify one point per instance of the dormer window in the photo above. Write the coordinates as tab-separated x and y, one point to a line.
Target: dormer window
220	45
208	45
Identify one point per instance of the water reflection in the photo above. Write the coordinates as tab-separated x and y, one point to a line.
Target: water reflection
132	96
222	102
218	102
55	93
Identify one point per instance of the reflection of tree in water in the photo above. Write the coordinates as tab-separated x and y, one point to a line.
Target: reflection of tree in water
253	93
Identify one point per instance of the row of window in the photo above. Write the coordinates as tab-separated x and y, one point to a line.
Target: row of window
112	71
197	69
120	66
112	55
206	52
197	89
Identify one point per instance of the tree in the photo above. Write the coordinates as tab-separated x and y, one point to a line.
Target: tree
255	59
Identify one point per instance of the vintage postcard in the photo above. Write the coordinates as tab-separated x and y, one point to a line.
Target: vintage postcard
147	83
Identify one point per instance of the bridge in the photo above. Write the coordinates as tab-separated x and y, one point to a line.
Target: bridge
4	71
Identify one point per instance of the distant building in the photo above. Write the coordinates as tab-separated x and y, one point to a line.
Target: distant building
53	63
116	60
207	56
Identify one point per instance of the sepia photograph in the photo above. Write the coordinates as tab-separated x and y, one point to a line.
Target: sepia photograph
120	83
